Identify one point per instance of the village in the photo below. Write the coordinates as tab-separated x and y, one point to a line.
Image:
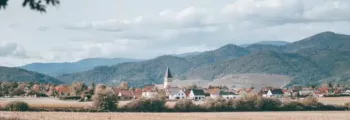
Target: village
167	91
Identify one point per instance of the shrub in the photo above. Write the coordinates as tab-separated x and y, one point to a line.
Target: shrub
248	103
292	106
271	104
185	105
146	105
347	105
218	104
331	107
69	98
17	92
105	99
40	94
310	101
17	106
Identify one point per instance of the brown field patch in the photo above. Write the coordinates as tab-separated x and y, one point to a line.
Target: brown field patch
324	115
334	100
55	103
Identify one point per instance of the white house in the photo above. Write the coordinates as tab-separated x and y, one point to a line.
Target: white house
175	94
277	93
125	95
149	94
229	95
197	94
346	92
214	93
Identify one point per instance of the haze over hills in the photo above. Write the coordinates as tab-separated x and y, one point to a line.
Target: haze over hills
55	69
316	59
8	74
274	43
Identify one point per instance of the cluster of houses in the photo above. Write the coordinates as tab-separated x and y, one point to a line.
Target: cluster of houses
173	92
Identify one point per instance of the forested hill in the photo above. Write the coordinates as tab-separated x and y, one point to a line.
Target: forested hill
20	75
322	57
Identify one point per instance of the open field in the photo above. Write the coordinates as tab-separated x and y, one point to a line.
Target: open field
324	115
46	102
334	100
55	103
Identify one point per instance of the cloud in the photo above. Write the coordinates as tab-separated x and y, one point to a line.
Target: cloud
239	14
104	29
12	49
237	22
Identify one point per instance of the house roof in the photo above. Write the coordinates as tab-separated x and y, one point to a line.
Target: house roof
214	91
198	92
116	90
286	91
168	73
150	88
246	90
187	92
173	90
126	93
138	93
277	91
227	93
263	91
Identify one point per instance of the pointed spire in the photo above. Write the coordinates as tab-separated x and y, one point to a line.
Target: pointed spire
167	73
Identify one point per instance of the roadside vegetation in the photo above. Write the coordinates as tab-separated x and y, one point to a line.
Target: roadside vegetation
105	101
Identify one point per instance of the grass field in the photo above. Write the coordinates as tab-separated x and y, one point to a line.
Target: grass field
324	115
55	103
334	100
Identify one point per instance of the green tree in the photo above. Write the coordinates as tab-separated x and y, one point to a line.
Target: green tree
77	88
17	92
104	98
37	5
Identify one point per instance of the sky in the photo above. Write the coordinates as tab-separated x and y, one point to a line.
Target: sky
144	29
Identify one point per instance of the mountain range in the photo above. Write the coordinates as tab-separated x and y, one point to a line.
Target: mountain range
274	43
55	69
8	74
313	60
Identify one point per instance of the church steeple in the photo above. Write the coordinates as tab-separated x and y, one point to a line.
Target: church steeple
168	73
167	78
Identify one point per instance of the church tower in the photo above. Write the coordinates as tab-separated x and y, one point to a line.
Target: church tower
168	78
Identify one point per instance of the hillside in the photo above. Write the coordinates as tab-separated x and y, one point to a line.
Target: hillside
319	58
138	73
55	69
273	43
325	40
268	62
224	53
330	51
20	75
186	54
261	47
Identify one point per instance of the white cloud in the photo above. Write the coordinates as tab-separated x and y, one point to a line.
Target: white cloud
126	29
12	49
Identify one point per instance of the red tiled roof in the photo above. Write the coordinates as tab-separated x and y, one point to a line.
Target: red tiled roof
187	92
150	88
214	91
247	90
117	90
138	93
126	93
